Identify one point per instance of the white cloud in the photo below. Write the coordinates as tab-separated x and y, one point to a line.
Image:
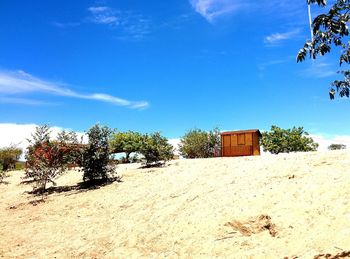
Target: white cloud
324	141
130	24
175	143
17	134
13	84
276	38
104	15
212	9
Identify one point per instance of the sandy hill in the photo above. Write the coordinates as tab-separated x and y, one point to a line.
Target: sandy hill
285	206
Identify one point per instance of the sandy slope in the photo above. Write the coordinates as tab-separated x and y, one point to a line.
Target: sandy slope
295	206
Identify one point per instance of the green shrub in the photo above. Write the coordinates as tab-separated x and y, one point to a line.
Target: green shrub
19	166
197	143
156	149
336	146
127	142
95	163
280	140
9	156
2	173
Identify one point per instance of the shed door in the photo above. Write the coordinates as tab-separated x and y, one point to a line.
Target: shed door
226	145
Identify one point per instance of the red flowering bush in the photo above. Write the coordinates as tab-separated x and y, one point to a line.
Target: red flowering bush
45	162
46	159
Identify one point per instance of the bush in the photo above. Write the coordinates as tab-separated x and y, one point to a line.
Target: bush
287	140
47	159
135	158
197	143
127	142
19	166
74	150
2	173
336	147
156	149
9	156
45	163
96	156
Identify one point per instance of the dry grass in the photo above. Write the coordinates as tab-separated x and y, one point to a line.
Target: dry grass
285	206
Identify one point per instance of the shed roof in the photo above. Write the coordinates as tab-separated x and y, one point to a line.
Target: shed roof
241	131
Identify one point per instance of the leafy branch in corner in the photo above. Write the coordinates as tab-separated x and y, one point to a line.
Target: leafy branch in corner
331	30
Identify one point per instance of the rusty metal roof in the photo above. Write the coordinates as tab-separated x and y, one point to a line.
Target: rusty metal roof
240	132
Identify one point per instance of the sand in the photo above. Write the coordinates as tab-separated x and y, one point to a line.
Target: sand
289	205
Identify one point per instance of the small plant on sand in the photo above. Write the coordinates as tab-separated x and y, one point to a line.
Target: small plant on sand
95	163
287	140
156	149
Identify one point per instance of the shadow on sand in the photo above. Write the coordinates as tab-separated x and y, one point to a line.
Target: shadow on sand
154	165
79	187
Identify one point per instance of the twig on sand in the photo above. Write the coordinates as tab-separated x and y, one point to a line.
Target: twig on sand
226	237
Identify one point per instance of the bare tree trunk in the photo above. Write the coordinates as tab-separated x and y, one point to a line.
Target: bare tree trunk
43	189
127	157
310	21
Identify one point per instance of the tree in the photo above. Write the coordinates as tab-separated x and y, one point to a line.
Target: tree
67	137
197	143
41	135
214	141
336	146
127	142
287	140
69	141
331	30
9	156
2	173
96	155
156	149
46	159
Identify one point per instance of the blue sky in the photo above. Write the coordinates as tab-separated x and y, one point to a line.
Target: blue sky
164	66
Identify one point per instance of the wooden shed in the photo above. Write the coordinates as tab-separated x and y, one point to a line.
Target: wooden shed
240	143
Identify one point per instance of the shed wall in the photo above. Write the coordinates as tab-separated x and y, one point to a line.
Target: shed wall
240	144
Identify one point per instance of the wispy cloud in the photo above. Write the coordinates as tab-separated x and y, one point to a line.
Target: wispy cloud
319	69
130	25
104	15
15	84
262	66
25	101
135	26
127	25
272	64
66	24
212	9
277	38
